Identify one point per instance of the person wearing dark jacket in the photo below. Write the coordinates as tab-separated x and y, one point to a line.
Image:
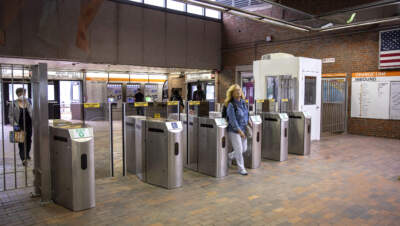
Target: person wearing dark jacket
199	94
20	116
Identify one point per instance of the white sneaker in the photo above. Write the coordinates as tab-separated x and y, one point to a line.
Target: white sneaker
243	172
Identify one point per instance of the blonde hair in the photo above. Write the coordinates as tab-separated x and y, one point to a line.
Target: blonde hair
229	93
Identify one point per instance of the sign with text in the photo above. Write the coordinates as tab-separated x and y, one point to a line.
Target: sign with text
376	95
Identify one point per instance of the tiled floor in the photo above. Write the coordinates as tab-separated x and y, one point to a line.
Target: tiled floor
347	180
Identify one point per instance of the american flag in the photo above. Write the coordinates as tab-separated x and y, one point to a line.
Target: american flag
390	49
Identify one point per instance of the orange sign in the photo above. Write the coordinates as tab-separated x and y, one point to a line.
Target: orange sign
334	75
375	74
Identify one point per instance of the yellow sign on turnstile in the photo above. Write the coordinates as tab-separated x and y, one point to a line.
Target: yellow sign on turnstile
272	99
91	105
285	100
170	103
141	104
157	115
259	101
194	103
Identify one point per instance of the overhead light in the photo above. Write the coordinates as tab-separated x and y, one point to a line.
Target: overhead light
351	18
363	24
210	6
266	20
327	25
237	13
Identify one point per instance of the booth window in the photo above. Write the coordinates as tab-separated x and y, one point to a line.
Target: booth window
310	90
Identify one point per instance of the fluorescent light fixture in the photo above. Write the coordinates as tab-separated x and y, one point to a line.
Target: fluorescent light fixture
351	18
327	25
363	24
209	6
237	13
266	20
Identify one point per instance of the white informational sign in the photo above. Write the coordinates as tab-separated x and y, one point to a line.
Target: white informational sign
375	95
395	100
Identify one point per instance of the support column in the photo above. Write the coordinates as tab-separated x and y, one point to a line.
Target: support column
40	120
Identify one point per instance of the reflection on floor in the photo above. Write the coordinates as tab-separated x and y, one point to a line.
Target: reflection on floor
347	180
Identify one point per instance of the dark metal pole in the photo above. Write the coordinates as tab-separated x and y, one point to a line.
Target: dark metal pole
123	139
110	121
2	130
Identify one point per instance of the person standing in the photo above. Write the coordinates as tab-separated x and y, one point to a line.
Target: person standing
139	97
177	97
238	119
20	116
199	94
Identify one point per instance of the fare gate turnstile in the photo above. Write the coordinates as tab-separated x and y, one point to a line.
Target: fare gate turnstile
215	114
72	168
299	133
183	119
135	153
164	153
213	156
275	136
193	141
252	157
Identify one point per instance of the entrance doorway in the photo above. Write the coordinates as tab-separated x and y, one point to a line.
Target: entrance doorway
70	93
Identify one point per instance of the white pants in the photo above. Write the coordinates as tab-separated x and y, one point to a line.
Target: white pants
239	146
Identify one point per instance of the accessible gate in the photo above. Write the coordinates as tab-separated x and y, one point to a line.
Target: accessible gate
334	105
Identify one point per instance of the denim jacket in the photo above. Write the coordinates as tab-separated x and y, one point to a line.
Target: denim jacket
239	119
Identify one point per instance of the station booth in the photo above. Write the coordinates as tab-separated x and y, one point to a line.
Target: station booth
288	90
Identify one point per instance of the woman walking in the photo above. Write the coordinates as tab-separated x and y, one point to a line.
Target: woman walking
238	119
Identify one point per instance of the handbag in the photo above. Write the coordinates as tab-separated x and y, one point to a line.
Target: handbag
17	136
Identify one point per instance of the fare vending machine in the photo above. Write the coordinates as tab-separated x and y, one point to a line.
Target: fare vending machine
114	93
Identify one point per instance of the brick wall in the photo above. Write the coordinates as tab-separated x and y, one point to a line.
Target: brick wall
354	51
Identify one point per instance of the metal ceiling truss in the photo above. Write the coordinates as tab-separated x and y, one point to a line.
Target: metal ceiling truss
282	23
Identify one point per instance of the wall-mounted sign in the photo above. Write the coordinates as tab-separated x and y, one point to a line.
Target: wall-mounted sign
328	60
141	104
171	103
198	77
376	95
91	105
334	75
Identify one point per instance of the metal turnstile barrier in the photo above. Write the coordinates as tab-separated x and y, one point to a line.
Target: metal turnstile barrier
299	133
135	148
72	168
275	136
213	156
193	141
164	153
183	119
215	114
252	157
